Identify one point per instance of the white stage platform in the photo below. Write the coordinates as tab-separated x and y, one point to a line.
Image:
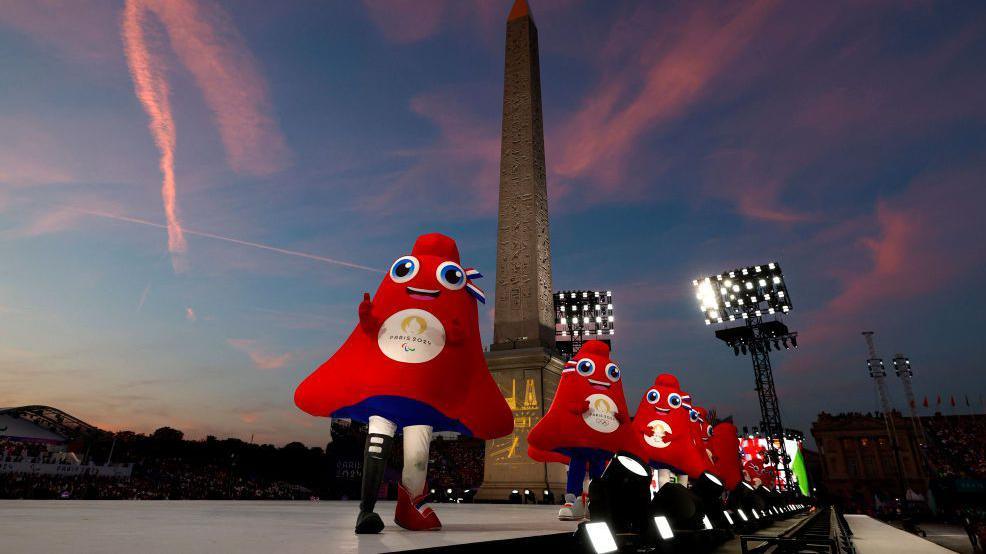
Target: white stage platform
159	526
875	537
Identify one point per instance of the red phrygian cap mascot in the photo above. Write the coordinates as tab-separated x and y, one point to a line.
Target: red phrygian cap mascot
726	449
754	463
414	362
701	431
663	429
586	423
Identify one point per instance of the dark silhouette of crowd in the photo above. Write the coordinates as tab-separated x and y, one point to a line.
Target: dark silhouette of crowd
166	466
956	445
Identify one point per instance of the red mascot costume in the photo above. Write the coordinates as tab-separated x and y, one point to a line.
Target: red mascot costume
701	431
415	362
726	449
587	422
663	429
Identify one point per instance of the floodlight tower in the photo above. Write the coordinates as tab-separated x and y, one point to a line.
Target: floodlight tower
879	374
902	366
581	315
749	294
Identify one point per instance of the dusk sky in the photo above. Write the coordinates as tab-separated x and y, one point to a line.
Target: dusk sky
307	145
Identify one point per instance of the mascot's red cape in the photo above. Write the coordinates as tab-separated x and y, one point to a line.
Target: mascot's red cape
700	431
726	449
589	410
416	357
662	426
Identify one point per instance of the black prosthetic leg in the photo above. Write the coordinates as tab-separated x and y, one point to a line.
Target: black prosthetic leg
375	457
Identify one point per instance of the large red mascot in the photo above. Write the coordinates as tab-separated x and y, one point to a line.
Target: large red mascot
663	429
415	363
587	422
726	449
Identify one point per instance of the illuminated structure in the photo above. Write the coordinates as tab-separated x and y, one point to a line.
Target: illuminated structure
879	374
581	315
748	295
522	358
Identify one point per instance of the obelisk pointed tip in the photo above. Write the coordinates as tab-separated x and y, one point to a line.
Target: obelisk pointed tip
519	10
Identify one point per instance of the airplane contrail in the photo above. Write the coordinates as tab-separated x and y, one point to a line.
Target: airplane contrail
214	236
151	88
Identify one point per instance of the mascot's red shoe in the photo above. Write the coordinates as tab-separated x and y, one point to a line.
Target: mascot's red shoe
415	514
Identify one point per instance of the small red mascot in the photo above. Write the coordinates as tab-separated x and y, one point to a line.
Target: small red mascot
663	429
726	449
414	362
587	422
701	431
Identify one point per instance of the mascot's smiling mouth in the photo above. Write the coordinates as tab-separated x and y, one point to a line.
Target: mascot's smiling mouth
599	385
662	410
422	294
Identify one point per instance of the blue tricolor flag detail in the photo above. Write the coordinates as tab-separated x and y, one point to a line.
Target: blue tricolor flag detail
477	292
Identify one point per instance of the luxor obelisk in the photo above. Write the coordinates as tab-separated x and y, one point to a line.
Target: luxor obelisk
522	358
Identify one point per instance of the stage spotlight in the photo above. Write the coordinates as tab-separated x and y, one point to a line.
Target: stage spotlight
742	514
548	497
663	527
755	514
620	496
515	496
708	487
599	537
728	517
706	523
529	496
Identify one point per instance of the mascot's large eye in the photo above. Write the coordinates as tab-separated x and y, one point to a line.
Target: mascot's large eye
653	396
693	416
674	400
585	366
613	372
404	269
451	275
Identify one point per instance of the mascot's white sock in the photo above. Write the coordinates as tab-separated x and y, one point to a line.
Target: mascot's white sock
417	442
381	426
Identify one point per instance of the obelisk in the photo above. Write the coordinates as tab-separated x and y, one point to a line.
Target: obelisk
522	358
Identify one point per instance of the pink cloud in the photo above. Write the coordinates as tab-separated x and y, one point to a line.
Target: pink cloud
262	358
600	137
208	43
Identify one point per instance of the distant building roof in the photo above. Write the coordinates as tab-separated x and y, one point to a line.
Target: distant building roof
15	428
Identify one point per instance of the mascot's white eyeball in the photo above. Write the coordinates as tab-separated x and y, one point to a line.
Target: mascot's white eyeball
404	269
613	372
585	367
653	396
451	275
674	400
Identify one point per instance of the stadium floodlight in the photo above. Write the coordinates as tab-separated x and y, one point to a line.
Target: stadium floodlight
756	297
577	318
737	292
600	537
902	366
664	527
